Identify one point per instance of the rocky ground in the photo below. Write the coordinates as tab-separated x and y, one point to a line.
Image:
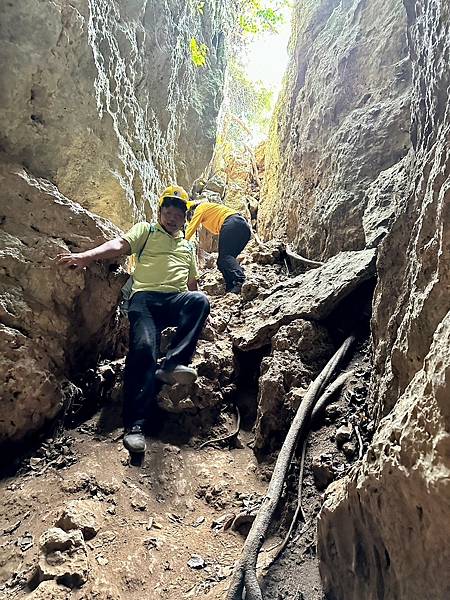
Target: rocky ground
104	529
79	520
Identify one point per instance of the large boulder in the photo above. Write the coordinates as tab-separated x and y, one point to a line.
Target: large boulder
54	322
312	295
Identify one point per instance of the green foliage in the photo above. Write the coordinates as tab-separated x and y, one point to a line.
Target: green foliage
261	15
251	16
199	53
249	101
247	26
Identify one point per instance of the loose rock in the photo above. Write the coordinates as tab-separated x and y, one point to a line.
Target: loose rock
63	557
80	514
322	467
196	562
343	434
50	590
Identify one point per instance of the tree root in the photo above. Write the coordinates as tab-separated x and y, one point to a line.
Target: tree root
360	442
298	511
306	261
225	437
244	574
331	389
321	403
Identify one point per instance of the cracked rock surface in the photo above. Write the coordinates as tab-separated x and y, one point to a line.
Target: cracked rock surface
390	518
51	318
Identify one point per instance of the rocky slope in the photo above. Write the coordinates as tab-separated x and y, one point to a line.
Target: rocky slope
384	532
79	521
102	98
333	160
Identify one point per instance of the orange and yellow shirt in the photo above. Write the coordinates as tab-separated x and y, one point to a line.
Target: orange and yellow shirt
211	216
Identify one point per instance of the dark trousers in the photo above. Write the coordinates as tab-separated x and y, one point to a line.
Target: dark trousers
149	313
233	238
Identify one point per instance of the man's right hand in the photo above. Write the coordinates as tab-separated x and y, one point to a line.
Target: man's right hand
80	260
76	261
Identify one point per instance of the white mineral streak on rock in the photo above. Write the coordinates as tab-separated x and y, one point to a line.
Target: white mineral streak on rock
102	97
147	141
119	67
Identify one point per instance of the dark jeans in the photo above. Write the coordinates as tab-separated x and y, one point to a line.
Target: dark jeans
233	238
149	313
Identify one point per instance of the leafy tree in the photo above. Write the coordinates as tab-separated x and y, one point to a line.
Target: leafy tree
261	15
249	101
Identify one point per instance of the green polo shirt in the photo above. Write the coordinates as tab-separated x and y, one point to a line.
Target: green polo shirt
166	263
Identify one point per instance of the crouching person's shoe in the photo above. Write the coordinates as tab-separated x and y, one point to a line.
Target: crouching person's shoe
236	288
179	374
134	440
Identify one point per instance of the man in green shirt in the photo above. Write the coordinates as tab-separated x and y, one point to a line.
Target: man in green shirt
164	294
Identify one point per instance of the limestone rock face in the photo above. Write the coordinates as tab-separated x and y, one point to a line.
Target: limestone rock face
54	322
100	103
299	350
311	295
341	122
383	533
103	99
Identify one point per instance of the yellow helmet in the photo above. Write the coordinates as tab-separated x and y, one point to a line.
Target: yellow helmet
174	191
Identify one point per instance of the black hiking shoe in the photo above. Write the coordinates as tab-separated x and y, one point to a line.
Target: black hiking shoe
179	374
236	289
134	440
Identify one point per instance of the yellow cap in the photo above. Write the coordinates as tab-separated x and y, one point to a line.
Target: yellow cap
174	191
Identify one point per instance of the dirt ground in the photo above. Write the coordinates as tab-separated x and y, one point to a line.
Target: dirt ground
163	527
154	517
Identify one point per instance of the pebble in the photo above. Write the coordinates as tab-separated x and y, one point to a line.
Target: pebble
322	469
25	542
196	562
349	449
343	434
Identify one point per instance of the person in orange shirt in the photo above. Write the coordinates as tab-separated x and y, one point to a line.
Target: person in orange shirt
234	233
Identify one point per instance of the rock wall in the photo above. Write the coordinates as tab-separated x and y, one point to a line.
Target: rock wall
102	98
340	128
384	531
54	323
